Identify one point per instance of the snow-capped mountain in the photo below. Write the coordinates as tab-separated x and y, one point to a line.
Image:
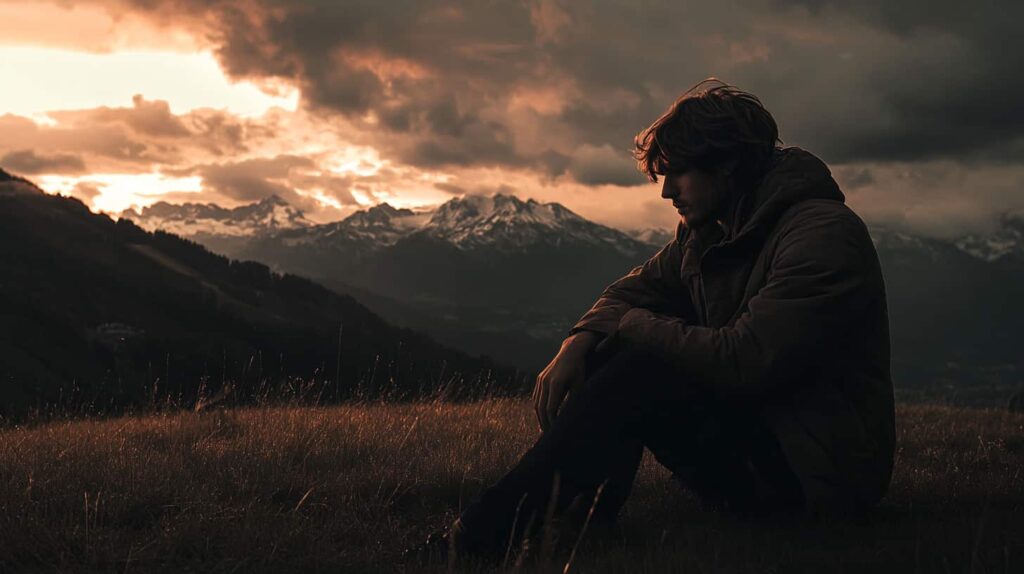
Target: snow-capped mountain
221	229
493	266
508	277
653	235
506	222
192	219
501	223
1006	243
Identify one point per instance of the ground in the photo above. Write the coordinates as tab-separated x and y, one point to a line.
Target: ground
345	488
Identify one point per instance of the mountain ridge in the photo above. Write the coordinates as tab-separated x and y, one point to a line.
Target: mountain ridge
109	314
466	222
508	277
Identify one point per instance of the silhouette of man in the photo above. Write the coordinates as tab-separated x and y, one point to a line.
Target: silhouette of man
750	355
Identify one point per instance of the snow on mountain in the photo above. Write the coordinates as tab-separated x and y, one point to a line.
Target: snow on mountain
1007	241
210	220
653	235
508	223
502	222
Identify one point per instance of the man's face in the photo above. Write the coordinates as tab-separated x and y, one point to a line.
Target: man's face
697	195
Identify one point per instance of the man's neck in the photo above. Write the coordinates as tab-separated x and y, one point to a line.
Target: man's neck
730	215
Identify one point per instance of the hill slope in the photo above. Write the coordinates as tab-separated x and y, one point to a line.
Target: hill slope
109	311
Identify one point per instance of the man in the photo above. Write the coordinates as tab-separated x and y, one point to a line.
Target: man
750	354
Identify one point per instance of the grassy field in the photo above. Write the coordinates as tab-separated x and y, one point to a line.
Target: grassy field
345	488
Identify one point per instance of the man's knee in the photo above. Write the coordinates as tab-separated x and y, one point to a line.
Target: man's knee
636	373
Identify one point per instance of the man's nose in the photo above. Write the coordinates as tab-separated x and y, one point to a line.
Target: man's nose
668	191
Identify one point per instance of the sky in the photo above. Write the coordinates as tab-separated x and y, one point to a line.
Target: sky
336	105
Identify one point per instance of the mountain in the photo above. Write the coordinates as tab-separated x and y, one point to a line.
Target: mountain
494	275
106	313
1006	244
220	229
955	312
653	235
508	277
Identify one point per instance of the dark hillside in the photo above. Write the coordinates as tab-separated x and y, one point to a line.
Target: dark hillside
110	314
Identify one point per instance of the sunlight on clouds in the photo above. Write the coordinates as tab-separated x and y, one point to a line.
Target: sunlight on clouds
92	28
363	199
355	160
48	79
120	191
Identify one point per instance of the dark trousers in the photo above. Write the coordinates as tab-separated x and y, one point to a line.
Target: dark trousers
630	401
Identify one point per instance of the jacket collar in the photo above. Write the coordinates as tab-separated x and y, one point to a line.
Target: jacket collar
796	175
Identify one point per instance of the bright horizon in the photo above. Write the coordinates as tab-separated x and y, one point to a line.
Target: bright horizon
123	105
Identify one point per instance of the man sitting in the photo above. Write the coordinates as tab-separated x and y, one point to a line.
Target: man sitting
750	354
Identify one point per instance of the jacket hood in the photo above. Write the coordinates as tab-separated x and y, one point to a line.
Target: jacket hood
796	175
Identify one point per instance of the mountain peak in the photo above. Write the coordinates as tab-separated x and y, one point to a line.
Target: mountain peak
380	215
269	215
1006	242
273	199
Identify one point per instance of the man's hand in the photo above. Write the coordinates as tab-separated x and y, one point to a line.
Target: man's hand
562	374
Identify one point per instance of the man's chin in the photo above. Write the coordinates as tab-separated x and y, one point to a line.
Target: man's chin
690	220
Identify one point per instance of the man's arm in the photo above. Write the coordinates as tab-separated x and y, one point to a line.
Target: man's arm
823	276
655	285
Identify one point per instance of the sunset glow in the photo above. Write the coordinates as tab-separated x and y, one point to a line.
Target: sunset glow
339	109
58	79
118	192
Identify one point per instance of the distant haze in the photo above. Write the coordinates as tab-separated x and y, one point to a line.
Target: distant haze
337	106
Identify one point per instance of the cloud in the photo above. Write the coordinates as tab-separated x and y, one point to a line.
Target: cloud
27	161
249	180
296	179
127	139
593	165
554	91
86	192
940	198
861	82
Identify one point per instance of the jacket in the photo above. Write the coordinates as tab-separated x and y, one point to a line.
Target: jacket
785	311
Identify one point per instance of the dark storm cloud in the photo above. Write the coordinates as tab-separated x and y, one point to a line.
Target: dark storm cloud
555	89
856	81
26	161
604	165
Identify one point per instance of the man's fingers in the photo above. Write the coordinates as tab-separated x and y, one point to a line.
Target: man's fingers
542	409
554	400
540	401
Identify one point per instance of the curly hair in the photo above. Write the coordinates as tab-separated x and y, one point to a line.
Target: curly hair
708	128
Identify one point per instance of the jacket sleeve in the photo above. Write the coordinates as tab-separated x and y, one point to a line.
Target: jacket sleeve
655	285
823	276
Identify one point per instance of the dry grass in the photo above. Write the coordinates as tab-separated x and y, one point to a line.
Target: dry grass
345	488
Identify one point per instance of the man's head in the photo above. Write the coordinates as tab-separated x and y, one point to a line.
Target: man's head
713	142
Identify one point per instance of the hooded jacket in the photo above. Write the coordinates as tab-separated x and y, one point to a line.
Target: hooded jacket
785	311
